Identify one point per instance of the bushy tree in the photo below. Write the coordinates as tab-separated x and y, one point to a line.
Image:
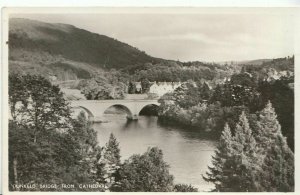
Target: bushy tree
102	87
131	87
145	173
241	90
40	116
184	188
145	85
46	144
89	150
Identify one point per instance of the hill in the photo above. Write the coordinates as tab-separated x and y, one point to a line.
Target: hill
55	48
254	62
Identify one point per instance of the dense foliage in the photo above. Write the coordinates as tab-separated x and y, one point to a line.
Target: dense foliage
206	108
46	144
145	173
106	85
171	71
184	188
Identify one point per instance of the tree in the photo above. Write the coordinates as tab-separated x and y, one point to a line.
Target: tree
40	104
245	156
205	91
107	85
131	88
145	85
40	116
184	188
278	163
145	173
234	164
277	173
260	163
90	152
282	97
109	163
216	94
268	127
220	161
46	144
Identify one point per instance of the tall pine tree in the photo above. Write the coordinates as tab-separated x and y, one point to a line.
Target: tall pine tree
234	163
217	173
263	163
245	156
109	163
277	157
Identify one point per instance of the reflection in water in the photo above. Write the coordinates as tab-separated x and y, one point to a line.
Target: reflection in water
186	151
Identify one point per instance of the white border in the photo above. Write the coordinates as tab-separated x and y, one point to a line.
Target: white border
4	67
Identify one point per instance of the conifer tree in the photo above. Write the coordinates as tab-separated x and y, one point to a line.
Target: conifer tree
245	156
234	165
205	92
268	127
84	134
278	159
216	173
109	163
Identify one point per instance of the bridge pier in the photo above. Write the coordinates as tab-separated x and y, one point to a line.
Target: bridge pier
133	117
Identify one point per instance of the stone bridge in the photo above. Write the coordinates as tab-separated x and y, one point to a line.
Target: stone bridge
96	108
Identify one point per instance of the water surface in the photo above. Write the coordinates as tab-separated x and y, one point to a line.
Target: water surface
187	152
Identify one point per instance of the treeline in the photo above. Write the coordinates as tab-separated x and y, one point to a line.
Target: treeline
48	147
278	64
177	71
198	106
114	84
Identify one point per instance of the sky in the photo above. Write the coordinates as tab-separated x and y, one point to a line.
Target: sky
191	36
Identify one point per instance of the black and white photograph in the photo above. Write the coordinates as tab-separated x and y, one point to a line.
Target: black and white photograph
151	100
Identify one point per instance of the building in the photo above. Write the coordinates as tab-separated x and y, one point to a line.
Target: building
161	88
138	87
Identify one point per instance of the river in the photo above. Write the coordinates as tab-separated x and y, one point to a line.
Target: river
187	152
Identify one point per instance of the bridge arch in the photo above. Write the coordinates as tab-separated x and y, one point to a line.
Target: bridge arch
121	106
152	108
90	115
96	108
